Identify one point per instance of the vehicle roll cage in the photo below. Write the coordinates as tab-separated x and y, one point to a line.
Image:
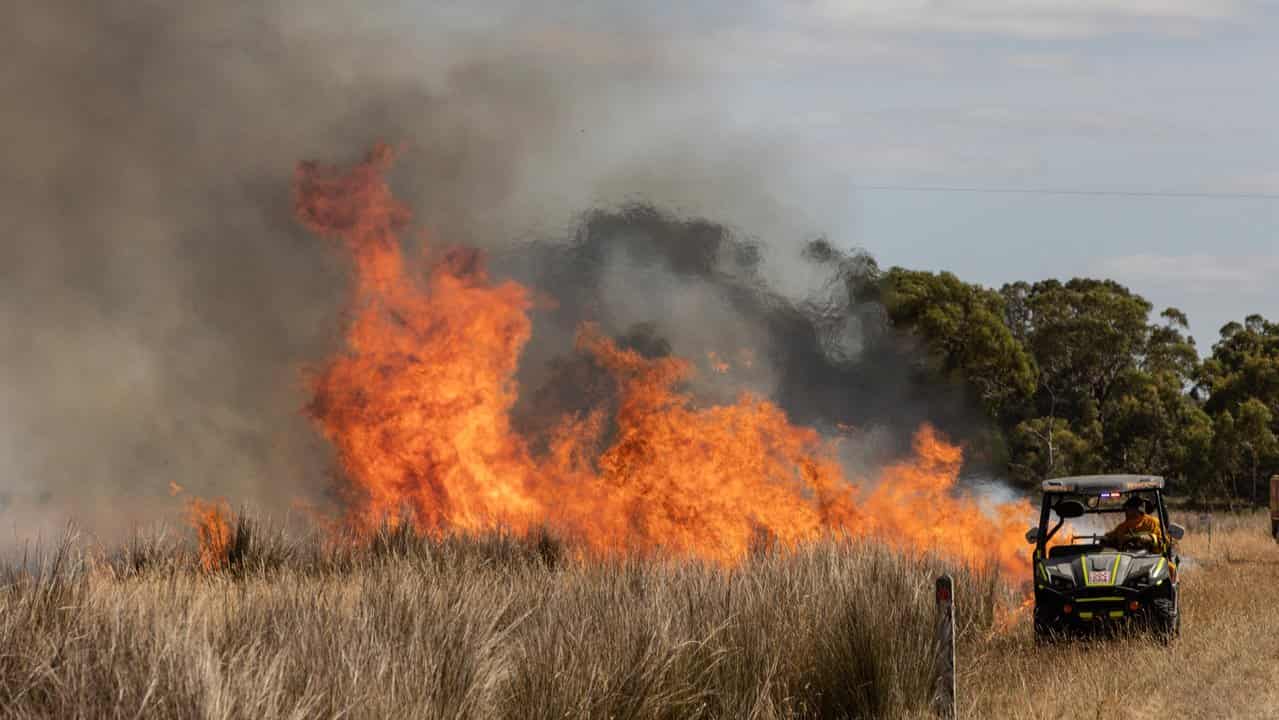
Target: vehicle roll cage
1053	499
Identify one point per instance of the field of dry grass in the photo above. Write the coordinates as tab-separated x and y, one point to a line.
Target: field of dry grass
501	627
1225	664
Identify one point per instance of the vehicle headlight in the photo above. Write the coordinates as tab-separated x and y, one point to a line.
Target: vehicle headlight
1060	580
1141	578
1149	575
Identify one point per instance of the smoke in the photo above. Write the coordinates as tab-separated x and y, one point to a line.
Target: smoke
698	289
159	304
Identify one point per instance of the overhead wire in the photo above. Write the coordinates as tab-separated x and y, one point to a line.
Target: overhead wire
1072	192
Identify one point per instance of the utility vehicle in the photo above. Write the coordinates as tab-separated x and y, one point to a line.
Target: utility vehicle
1085	581
1274	507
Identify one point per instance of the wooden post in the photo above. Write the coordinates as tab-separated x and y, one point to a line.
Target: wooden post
944	686
1274	506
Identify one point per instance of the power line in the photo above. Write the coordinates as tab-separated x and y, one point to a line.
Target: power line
1072	191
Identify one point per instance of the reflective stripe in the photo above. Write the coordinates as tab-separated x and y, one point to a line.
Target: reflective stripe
1044	570
1100	599
1085	616
1158	567
1114	572
1116	613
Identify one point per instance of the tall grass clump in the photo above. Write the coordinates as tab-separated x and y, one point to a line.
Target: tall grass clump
403	624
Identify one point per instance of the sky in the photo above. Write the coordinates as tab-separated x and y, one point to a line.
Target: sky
1132	97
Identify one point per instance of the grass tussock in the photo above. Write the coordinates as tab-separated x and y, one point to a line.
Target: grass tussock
493	626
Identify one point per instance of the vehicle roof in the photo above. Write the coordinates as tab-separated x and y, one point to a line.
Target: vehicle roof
1092	483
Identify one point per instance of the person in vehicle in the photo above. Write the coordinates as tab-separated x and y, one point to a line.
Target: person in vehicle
1138	527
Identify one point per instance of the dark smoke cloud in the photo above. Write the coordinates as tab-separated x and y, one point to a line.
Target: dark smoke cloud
695	288
158	303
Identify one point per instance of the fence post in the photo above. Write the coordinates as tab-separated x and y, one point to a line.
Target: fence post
944	688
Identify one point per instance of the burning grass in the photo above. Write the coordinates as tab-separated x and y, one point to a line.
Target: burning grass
418	406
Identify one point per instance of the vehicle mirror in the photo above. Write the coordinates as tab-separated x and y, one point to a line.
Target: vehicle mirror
1068	509
1032	535
1175	531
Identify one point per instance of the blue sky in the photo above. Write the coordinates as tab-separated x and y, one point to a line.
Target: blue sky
1144	95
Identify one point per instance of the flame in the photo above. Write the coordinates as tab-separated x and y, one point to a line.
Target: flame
212	522
418	407
704	481
717	363
1009	617
914	505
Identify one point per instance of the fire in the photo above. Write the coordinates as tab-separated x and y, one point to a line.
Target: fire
212	523
705	481
419	405
717	363
914	505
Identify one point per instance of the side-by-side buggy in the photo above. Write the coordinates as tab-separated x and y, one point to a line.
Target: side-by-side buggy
1086	582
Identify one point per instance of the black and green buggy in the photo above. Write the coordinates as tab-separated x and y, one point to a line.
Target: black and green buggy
1087	582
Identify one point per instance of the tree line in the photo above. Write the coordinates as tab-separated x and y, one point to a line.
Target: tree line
1078	377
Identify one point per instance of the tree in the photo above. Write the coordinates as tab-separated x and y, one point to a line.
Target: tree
1244	364
1107	376
962	326
1084	335
1244	443
1078	378
1048	447
1239	386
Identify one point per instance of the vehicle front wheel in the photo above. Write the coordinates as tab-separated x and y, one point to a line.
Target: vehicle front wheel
1167	620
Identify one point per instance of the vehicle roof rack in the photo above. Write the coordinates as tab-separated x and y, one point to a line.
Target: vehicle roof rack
1097	483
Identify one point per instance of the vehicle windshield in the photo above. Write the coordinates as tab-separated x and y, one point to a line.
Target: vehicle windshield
1103	511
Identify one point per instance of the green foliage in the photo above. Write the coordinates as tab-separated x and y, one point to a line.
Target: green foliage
1047	447
1078	378
963	328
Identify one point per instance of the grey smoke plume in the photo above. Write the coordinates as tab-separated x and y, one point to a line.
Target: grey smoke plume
158	303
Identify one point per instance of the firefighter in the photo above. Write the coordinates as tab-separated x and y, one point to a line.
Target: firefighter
1138	526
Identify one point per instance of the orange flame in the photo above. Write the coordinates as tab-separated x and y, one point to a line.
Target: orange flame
419	410
212	522
717	363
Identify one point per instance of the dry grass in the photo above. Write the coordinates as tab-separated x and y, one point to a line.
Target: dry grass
491	627
1225	665
503	627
